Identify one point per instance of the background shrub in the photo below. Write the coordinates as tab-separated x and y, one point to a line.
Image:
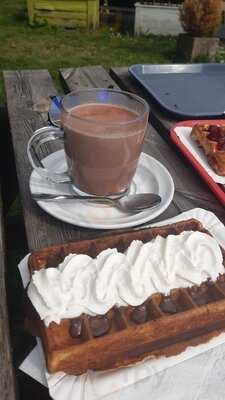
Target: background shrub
201	17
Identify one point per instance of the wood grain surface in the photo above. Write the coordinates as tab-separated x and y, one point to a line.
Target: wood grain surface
7	382
27	94
87	77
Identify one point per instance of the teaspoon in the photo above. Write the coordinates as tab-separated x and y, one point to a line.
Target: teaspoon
132	203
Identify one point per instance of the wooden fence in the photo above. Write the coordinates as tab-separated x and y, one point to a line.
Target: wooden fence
68	13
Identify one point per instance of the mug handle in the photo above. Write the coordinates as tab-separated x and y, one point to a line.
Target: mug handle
41	136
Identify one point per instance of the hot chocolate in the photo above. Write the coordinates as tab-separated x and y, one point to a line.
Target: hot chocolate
103	143
103	132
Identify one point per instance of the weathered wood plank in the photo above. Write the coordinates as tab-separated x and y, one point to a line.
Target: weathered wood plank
67	19
7	382
26	92
7	163
86	77
93	14
191	191
86	12
30	10
65	5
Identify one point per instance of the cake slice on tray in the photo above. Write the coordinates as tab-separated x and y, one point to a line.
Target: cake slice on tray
211	138
117	300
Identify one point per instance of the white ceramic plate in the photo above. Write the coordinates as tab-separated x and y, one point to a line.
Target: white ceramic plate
151	176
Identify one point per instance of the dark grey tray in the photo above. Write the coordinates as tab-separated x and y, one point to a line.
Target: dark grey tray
186	90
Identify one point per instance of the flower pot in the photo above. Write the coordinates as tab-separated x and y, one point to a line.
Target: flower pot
190	48
158	20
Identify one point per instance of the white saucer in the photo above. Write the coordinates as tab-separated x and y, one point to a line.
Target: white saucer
151	176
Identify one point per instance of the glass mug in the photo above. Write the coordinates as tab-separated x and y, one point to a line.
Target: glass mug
103	133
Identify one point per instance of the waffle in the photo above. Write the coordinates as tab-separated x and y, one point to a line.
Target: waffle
162	326
211	138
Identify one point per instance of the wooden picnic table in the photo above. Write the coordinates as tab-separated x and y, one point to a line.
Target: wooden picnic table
27	92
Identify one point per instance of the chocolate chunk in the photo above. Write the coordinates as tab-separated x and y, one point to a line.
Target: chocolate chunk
92	250
76	327
221	281
140	314
214	129
199	295
222	285
222	138
121	246
55	259
201	300
222	145
167	306
221	278
99	325
217	134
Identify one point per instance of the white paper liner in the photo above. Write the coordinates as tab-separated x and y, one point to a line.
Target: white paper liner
163	378
183	132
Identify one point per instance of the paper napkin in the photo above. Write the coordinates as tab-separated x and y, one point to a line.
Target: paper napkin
196	374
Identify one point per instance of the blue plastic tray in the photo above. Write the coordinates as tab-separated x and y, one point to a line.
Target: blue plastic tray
188	90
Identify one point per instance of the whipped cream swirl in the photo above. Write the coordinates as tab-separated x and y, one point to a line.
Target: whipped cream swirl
81	284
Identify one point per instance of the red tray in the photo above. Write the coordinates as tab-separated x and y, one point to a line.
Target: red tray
215	187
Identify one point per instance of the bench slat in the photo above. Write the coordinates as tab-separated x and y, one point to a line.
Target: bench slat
87	77
7	382
27	99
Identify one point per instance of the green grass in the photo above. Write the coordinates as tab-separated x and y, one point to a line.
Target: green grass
25	47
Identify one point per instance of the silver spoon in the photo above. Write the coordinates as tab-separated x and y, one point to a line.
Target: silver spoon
132	203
